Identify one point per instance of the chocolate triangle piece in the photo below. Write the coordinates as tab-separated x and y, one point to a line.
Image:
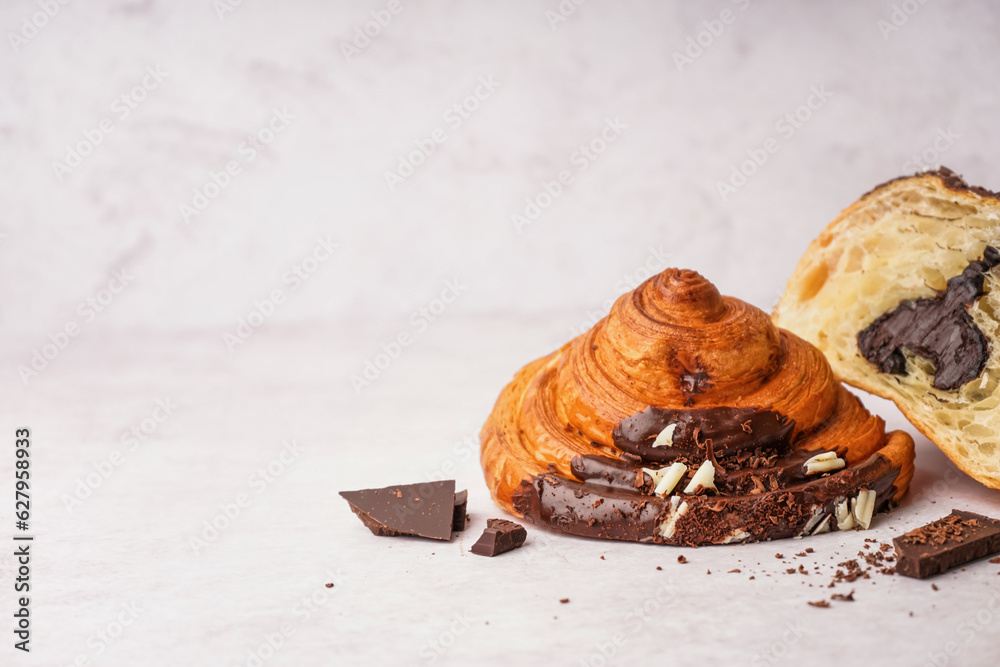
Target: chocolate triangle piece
420	510
954	540
458	518
500	536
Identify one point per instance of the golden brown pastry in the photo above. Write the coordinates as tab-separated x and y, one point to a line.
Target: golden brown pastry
900	293
685	417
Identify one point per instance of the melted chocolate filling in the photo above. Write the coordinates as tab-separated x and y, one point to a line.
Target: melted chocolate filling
939	329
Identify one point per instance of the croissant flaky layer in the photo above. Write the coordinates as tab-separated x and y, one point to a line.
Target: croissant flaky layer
681	384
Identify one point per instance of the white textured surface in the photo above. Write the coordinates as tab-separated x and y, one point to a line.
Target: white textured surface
652	193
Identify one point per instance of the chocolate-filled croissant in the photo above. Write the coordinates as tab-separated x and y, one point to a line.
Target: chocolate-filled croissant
686	417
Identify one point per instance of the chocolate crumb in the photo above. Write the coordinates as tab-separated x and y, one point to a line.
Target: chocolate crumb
809	550
708	572
602	557
843	598
329	585
736	570
779	555
934	587
820	603
658	567
564	600
682	559
995	561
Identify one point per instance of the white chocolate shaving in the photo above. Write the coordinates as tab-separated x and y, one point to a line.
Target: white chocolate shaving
863	507
677	510
817	515
824	462
823	527
666	437
737	535
704	477
669	477
655	475
845	519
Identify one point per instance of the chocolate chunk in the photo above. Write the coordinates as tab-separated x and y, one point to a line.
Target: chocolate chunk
954	540
458	517
420	510
605	471
500	536
730	430
939	329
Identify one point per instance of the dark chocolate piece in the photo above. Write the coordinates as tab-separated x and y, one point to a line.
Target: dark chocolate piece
500	536
939	329
420	510
731	431
606	471
458	518
951	541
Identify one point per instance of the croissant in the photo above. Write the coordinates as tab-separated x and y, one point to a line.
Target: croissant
901	294
685	417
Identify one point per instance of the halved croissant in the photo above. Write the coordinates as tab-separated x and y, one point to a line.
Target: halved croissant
868	290
701	364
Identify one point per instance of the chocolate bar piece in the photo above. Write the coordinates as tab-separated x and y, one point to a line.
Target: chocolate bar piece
429	509
948	542
500	536
458	518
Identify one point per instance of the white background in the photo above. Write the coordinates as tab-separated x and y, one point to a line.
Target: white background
651	198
